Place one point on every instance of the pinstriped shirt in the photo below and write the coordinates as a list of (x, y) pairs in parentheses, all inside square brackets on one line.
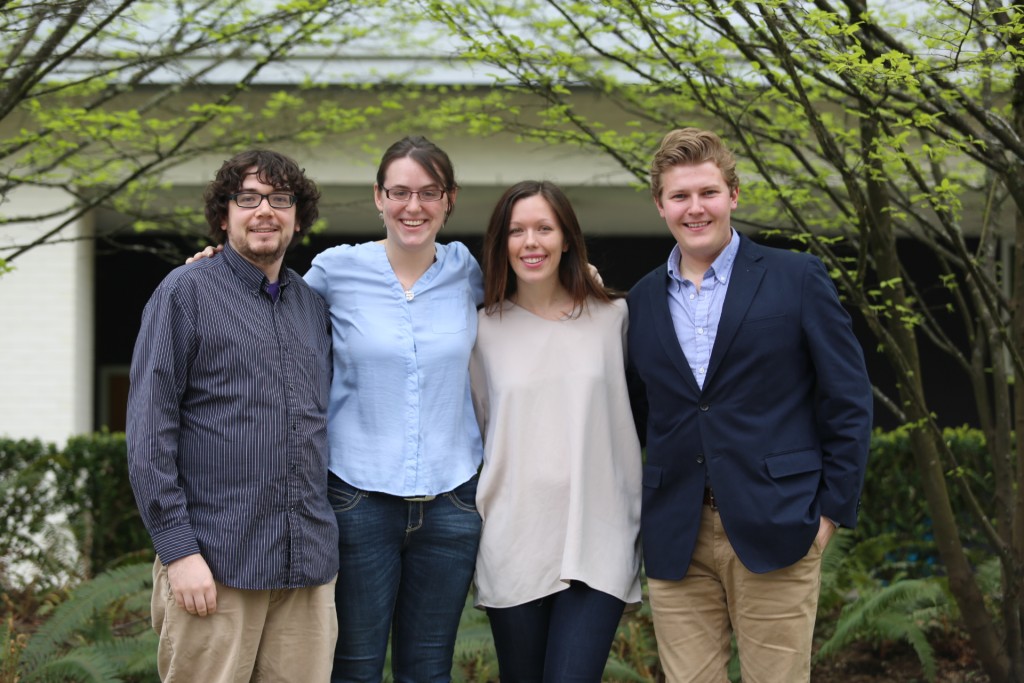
[(227, 425)]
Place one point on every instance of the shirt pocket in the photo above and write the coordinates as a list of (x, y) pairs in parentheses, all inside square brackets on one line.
[(448, 313)]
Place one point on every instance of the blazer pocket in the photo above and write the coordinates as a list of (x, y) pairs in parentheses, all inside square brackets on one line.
[(763, 322), (652, 476), (794, 462)]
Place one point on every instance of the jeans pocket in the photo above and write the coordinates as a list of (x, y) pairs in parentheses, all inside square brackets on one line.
[(342, 495), (463, 496)]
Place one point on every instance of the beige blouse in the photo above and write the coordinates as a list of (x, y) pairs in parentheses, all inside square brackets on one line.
[(559, 492)]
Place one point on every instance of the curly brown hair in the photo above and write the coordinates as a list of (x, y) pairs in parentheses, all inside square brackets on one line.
[(272, 168)]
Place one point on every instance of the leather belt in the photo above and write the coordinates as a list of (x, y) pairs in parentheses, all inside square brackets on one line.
[(419, 499)]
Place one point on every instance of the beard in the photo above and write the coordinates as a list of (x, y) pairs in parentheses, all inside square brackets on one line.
[(260, 251)]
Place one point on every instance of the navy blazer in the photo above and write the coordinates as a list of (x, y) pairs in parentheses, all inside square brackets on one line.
[(781, 428)]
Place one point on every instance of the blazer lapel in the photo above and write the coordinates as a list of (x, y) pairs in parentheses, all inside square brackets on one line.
[(747, 273)]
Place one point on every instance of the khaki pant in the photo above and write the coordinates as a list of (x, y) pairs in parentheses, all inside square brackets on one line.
[(771, 614), (255, 635)]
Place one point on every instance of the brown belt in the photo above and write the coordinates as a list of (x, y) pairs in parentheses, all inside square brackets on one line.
[(709, 498)]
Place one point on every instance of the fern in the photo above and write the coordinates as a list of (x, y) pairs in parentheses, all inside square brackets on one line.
[(900, 611), (619, 671), (98, 634), (79, 665), (134, 655)]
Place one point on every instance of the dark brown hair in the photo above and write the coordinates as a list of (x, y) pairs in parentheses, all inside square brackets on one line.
[(574, 266), (272, 168), (429, 157)]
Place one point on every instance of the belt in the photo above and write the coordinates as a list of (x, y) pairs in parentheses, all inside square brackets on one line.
[(419, 499), (709, 498)]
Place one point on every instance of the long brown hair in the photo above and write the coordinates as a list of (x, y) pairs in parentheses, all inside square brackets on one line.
[(573, 269)]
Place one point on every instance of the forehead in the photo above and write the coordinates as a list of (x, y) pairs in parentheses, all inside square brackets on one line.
[(693, 177), (406, 171), (533, 205), (256, 179)]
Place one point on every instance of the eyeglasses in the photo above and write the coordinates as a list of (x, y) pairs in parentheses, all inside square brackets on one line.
[(403, 195), (277, 200)]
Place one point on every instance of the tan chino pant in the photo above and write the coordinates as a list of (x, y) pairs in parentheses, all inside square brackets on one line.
[(255, 635), (771, 614)]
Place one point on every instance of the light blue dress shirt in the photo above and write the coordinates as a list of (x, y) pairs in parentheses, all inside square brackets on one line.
[(401, 417), (695, 315)]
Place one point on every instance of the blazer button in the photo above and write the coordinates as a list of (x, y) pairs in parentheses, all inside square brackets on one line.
[(705, 407), (700, 458)]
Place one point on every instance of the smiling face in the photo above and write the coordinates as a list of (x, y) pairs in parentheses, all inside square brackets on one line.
[(535, 241), (413, 224), (260, 235), (697, 205)]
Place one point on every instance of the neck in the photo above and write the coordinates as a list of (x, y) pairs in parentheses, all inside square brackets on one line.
[(272, 269), (409, 265), (693, 269), (548, 299)]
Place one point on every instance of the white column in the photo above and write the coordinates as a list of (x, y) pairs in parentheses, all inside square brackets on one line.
[(47, 326)]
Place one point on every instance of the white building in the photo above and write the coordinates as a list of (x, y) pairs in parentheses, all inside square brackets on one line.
[(71, 310)]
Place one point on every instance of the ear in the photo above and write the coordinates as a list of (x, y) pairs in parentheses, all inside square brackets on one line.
[(734, 200), (378, 197)]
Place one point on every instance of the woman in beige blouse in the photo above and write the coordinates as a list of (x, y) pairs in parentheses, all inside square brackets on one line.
[(559, 492)]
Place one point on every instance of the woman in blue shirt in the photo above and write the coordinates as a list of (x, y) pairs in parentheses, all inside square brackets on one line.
[(405, 445)]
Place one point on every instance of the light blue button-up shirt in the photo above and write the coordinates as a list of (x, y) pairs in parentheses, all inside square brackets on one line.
[(400, 417), (695, 315)]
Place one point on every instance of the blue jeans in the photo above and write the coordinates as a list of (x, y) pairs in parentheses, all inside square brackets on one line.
[(562, 638), (405, 570)]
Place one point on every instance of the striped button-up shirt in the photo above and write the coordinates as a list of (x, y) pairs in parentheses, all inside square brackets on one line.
[(227, 425)]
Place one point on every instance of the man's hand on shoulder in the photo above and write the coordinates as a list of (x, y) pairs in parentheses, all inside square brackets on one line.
[(192, 585)]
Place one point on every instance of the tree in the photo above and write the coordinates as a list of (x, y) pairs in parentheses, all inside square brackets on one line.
[(100, 98), (860, 130)]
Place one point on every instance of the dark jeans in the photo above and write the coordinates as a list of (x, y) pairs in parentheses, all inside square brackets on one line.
[(405, 570), (562, 638)]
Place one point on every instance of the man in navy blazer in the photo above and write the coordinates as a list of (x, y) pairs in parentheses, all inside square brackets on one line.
[(750, 393)]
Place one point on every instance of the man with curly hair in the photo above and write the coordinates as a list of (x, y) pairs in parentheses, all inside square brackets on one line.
[(227, 442)]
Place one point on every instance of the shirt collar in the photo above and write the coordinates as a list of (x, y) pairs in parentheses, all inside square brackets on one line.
[(249, 274), (720, 269)]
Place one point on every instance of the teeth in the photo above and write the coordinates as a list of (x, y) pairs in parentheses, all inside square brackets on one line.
[(533, 260)]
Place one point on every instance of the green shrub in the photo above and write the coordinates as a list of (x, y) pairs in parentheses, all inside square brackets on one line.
[(894, 517), (31, 512), (107, 525), (67, 513)]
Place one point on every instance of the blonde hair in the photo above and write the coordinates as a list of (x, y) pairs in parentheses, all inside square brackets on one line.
[(690, 147)]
